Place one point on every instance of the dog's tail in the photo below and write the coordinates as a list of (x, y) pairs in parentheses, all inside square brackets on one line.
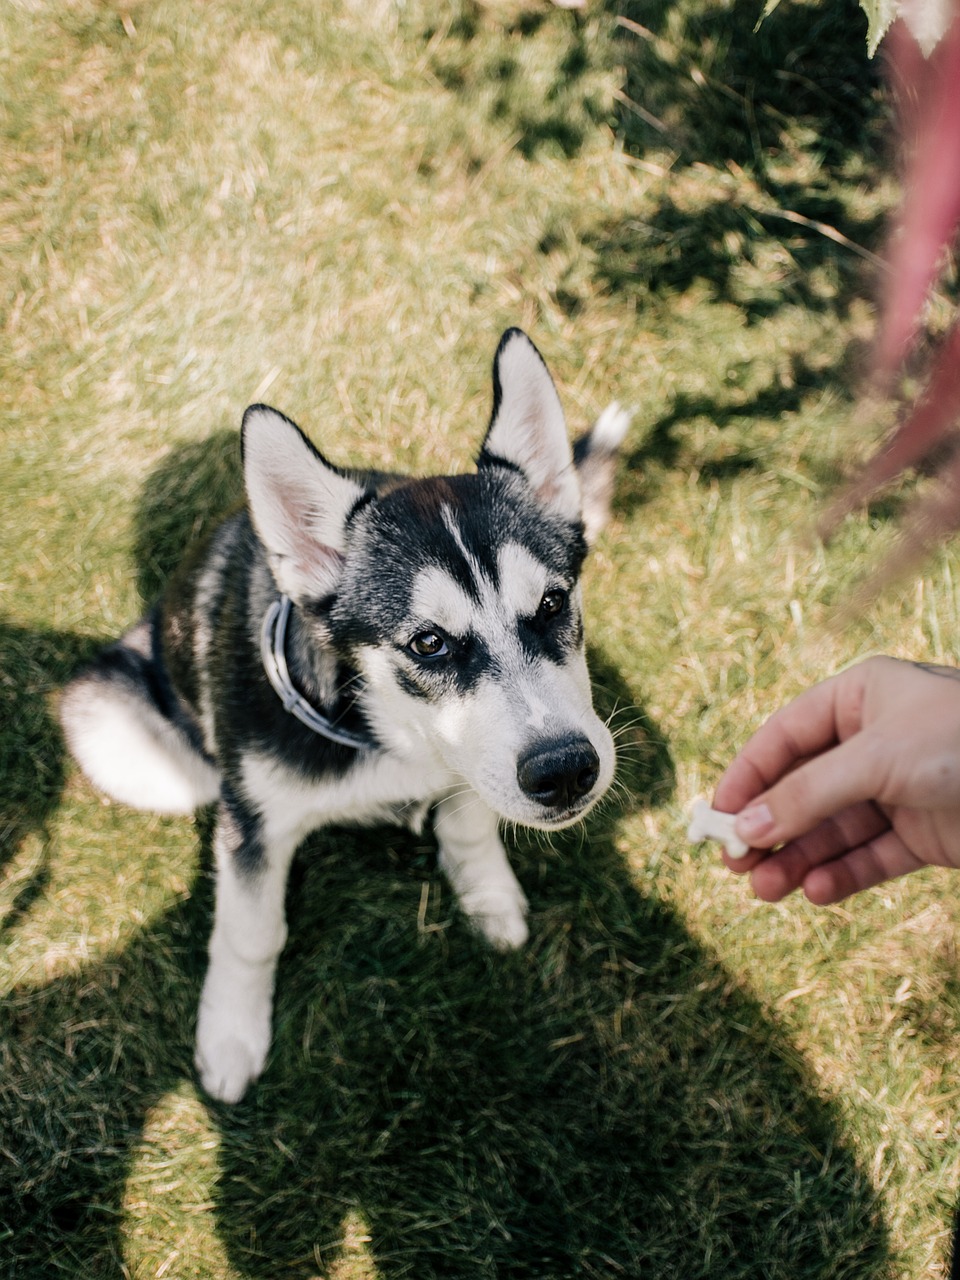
[(595, 456), (129, 734)]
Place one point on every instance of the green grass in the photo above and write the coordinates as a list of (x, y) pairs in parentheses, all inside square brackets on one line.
[(337, 208)]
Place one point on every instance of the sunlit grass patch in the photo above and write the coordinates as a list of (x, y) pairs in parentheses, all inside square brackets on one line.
[(168, 1222)]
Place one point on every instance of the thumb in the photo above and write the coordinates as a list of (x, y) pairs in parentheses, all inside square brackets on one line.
[(818, 789)]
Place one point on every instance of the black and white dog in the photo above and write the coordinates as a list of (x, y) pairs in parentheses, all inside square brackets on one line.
[(358, 647)]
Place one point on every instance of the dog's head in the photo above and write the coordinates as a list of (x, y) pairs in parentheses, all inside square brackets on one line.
[(457, 598)]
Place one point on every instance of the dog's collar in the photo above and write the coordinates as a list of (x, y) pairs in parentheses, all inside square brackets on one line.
[(273, 641)]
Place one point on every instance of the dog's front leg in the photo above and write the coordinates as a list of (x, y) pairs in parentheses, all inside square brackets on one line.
[(249, 931), (475, 862)]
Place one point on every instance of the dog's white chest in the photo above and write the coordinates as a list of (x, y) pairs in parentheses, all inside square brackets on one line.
[(384, 789)]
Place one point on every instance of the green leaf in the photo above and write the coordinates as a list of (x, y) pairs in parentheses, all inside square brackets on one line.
[(880, 14)]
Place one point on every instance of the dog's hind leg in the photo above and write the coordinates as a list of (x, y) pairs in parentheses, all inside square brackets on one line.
[(249, 932), (120, 719), (474, 860)]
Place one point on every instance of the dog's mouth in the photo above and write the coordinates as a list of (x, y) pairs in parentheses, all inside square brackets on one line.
[(559, 822)]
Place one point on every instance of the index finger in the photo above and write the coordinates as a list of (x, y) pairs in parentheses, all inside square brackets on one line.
[(802, 729)]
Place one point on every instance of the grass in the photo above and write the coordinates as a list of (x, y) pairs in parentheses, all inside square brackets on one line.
[(338, 208)]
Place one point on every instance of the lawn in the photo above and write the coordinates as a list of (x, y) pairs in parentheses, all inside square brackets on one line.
[(337, 208)]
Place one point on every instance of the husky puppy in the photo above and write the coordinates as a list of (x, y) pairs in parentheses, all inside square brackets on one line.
[(357, 647)]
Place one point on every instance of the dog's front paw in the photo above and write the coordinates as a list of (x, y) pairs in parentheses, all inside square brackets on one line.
[(232, 1047), (228, 1068), (499, 914)]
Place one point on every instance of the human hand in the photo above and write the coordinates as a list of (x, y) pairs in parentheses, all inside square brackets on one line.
[(854, 783)]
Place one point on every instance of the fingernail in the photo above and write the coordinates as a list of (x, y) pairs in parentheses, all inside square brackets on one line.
[(753, 823)]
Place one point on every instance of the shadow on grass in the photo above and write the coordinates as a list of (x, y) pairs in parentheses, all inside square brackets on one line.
[(789, 119), (784, 119), (720, 85), (31, 747), (552, 103), (663, 443), (606, 1102), (758, 147)]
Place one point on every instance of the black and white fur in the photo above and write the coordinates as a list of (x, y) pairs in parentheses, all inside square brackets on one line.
[(437, 620)]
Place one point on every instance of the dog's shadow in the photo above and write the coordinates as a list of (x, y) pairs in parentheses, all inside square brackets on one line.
[(606, 1102)]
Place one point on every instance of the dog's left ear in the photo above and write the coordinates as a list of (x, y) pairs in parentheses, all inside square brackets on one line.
[(527, 430), (298, 502)]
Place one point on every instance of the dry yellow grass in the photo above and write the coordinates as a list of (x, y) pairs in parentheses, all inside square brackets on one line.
[(337, 208)]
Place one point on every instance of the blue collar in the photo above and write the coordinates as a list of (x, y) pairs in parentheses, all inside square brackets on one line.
[(273, 639)]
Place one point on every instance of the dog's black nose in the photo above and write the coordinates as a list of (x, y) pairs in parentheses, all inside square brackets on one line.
[(557, 774)]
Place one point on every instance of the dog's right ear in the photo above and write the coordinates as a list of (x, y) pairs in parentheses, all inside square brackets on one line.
[(299, 504)]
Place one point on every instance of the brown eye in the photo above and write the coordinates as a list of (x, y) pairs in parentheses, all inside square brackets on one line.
[(552, 603), (429, 644)]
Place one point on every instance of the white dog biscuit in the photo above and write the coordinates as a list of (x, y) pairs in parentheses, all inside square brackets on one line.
[(711, 824)]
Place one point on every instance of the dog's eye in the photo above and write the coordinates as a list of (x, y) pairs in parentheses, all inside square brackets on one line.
[(429, 644), (552, 603)]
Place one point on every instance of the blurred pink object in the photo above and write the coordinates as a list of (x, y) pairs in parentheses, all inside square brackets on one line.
[(928, 101), (927, 94)]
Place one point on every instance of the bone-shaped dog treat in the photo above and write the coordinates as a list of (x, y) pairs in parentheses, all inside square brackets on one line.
[(711, 824)]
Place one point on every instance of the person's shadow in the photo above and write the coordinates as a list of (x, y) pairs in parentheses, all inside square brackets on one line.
[(607, 1102)]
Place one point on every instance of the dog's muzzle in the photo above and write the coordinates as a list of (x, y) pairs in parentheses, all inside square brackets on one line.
[(559, 775)]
